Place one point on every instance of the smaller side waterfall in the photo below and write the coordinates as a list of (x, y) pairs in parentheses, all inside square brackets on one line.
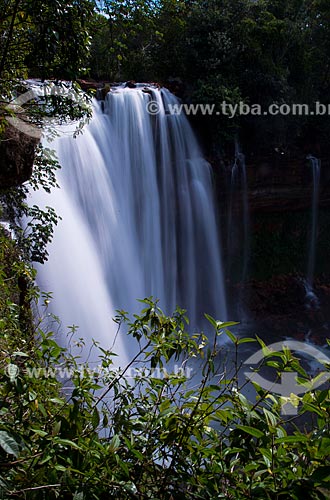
[(311, 299), (316, 170), (238, 234)]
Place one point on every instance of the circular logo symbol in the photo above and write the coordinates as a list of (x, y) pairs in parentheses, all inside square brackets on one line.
[(40, 94), (288, 384)]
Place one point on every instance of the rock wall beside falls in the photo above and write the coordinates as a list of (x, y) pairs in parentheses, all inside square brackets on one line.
[(280, 194), (17, 152), (276, 183), (285, 184)]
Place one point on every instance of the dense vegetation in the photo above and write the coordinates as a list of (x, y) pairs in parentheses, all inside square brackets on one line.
[(258, 52), (243, 50), (94, 434), (147, 431)]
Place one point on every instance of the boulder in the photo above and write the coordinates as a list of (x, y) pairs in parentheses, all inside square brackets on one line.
[(17, 152)]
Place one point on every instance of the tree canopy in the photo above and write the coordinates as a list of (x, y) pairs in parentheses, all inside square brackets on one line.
[(157, 434), (235, 50), (254, 51), (44, 39)]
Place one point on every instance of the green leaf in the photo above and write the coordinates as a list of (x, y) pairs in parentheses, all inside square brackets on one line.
[(105, 420), (211, 320), (78, 495), (60, 468), (231, 336), (313, 409), (324, 447), (21, 354), (57, 428), (300, 438), (267, 456), (42, 410), (95, 418), (114, 443), (46, 459), (39, 432), (251, 430), (8, 444), (250, 467), (66, 442), (270, 417), (232, 451), (321, 474), (245, 340), (227, 324), (57, 401)]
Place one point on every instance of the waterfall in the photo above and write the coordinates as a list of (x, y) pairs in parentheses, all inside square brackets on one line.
[(238, 233), (311, 300), (138, 218), (316, 170)]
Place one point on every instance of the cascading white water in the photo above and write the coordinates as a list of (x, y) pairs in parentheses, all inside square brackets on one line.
[(138, 218)]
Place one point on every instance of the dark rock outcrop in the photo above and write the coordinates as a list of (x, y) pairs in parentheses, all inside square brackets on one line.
[(130, 85), (279, 308), (17, 152), (88, 84)]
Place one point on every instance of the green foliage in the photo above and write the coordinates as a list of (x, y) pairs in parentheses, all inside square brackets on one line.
[(52, 106), (214, 89), (280, 244), (124, 40), (61, 37), (150, 431), (45, 40), (39, 223), (260, 52), (15, 293), (50, 38)]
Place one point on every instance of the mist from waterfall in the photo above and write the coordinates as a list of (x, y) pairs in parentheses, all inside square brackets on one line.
[(139, 218)]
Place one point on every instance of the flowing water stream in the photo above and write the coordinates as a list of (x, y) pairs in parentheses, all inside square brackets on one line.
[(311, 299), (238, 213)]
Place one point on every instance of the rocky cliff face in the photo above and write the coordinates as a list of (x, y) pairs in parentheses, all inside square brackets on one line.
[(278, 308), (285, 184), (16, 157), (275, 183), (273, 295), (279, 194)]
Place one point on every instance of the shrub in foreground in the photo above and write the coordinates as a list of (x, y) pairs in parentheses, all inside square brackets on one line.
[(150, 430)]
